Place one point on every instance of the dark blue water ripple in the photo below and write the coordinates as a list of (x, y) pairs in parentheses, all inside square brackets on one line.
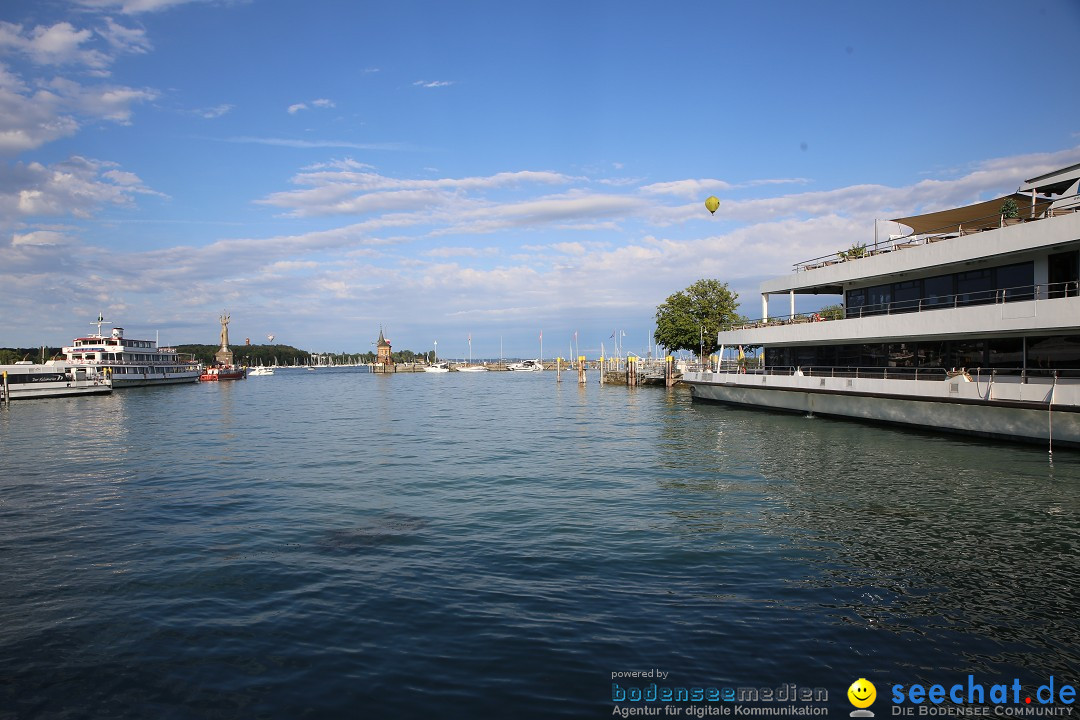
[(341, 544)]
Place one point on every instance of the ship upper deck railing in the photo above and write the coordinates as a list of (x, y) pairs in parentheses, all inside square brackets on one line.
[(1046, 291), (1045, 209), (974, 374)]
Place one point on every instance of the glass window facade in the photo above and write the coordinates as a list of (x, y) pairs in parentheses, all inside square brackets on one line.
[(1054, 352), (1008, 283)]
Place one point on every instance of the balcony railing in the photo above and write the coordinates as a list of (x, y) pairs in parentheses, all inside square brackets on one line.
[(998, 296), (1017, 374), (1070, 205)]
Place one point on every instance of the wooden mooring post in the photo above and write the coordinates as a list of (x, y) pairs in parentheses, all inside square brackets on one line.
[(631, 371), (7, 392), (581, 369), (601, 369), (558, 369), (669, 371)]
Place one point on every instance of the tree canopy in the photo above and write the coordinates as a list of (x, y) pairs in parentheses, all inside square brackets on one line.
[(690, 319)]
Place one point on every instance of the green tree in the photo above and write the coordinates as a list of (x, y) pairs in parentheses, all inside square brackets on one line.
[(832, 312), (690, 319)]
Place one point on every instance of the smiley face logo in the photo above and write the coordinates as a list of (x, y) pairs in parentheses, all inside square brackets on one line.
[(862, 693)]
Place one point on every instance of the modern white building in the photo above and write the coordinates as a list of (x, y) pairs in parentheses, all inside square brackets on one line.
[(968, 322)]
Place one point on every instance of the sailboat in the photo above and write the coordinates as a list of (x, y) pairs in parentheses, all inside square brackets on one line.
[(470, 367)]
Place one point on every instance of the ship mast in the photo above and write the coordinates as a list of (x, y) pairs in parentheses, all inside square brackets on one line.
[(99, 322)]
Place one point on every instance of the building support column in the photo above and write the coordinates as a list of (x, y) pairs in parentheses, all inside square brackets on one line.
[(791, 315), (764, 307)]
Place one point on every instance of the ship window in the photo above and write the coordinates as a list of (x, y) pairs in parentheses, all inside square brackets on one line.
[(931, 354), (778, 357), (806, 356), (901, 355), (872, 355), (1056, 352), (966, 353), (878, 299), (848, 355), (826, 356), (906, 295), (1063, 274), (1015, 281), (1006, 353), (974, 287), (856, 301), (938, 291)]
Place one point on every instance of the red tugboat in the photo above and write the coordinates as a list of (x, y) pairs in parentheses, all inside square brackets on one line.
[(223, 372), (223, 369)]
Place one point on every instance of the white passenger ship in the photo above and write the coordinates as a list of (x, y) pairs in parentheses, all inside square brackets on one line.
[(131, 363), (968, 323), (27, 380)]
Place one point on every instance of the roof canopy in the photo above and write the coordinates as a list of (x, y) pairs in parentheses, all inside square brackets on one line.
[(984, 214), (1054, 183)]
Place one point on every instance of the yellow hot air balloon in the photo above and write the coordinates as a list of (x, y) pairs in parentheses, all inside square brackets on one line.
[(712, 203)]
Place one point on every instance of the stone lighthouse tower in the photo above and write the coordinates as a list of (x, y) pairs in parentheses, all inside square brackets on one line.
[(382, 350)]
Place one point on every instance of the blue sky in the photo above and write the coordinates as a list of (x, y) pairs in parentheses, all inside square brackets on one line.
[(496, 169)]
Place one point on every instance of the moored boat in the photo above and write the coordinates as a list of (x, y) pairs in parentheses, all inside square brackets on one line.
[(215, 373), (526, 366), (25, 380), (128, 362), (968, 323)]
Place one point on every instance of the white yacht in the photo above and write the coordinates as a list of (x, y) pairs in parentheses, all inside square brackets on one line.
[(260, 370), (25, 380), (439, 367), (526, 366), (470, 368), (969, 322), (131, 363)]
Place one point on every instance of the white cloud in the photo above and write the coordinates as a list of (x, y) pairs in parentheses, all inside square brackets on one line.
[(31, 119), (133, 7), (215, 112), (76, 187), (349, 188), (40, 237), (433, 83), (125, 39), (449, 252), (319, 103), (64, 44), (687, 188), (34, 113)]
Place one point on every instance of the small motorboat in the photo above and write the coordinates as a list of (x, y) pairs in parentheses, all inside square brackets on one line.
[(215, 373)]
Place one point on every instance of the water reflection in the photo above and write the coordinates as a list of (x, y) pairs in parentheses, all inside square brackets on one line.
[(969, 543)]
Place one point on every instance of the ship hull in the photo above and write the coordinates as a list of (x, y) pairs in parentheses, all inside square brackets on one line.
[(954, 407)]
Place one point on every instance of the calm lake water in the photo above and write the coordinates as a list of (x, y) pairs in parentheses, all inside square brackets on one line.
[(341, 544)]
